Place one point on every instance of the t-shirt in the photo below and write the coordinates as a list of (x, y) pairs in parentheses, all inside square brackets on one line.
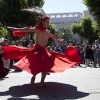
[(78, 48), (96, 47)]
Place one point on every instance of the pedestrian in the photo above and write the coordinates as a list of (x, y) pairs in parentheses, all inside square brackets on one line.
[(96, 50)]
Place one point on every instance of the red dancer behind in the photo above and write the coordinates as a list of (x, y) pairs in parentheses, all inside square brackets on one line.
[(3, 71), (39, 59)]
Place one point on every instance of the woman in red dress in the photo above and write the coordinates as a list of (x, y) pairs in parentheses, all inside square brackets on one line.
[(3, 71)]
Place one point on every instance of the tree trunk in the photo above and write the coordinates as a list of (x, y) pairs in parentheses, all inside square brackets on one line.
[(9, 37)]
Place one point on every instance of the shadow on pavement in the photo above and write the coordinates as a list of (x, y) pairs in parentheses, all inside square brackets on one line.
[(55, 91)]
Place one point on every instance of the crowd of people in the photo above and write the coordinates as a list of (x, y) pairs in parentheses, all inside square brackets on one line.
[(9, 62), (89, 53)]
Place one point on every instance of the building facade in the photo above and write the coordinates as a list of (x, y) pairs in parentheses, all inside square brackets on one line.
[(67, 19)]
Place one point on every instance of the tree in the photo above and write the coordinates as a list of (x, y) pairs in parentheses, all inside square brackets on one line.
[(76, 28), (86, 29), (52, 29), (94, 8), (65, 34), (96, 32), (3, 31), (12, 15)]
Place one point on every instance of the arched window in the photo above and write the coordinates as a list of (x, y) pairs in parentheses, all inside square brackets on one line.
[(64, 15), (70, 15), (76, 15), (58, 16), (52, 16)]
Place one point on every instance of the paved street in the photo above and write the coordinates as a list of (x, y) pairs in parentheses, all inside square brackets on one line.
[(73, 84)]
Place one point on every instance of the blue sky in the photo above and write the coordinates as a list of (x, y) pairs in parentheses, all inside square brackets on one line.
[(62, 6)]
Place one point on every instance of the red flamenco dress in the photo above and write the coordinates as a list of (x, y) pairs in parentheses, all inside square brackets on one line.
[(3, 71), (40, 59)]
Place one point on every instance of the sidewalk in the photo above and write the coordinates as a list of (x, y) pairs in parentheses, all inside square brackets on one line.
[(73, 84)]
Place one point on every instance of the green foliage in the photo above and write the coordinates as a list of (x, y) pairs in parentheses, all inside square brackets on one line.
[(38, 3), (76, 28), (3, 31), (94, 8), (95, 31), (64, 33), (52, 29), (12, 15), (86, 29)]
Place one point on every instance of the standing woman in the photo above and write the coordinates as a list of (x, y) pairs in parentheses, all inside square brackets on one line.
[(88, 54), (3, 71)]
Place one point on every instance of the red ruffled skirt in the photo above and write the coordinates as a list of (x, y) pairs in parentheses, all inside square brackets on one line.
[(39, 59)]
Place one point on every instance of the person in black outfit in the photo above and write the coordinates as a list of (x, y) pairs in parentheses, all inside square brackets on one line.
[(88, 54)]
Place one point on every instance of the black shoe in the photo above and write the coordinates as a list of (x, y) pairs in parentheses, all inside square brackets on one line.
[(17, 70), (7, 69), (95, 67), (48, 73)]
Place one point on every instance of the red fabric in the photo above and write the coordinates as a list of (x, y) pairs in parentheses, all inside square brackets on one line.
[(72, 53), (3, 71), (14, 52), (19, 33), (39, 27), (39, 59)]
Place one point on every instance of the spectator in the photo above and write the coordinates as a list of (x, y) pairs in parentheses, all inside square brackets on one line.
[(82, 52), (96, 49), (88, 54), (31, 44)]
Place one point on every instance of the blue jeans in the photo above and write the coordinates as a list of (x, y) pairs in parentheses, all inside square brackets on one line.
[(83, 58)]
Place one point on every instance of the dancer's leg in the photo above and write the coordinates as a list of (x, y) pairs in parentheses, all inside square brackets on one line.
[(33, 79), (43, 79)]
